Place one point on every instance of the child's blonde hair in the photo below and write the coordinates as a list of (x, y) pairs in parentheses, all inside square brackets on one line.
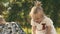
[(35, 9)]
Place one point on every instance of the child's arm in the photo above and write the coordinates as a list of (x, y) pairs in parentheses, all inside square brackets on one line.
[(49, 24), (33, 29), (48, 30)]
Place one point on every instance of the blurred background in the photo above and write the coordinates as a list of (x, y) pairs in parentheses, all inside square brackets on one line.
[(18, 11)]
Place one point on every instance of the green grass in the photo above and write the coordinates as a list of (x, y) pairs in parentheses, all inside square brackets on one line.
[(58, 30), (28, 30)]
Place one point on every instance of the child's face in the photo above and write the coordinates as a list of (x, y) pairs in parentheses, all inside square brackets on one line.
[(38, 17)]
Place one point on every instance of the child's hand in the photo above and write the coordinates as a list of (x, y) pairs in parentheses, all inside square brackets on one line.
[(33, 30), (48, 30)]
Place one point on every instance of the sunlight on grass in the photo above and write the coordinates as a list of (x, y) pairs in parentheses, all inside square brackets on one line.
[(28, 30), (58, 30)]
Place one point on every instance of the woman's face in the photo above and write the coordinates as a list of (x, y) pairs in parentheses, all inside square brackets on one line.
[(1, 20)]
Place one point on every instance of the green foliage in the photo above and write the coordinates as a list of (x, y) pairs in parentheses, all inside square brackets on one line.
[(20, 10), (2, 8)]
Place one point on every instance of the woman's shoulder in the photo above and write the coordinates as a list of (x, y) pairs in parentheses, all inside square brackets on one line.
[(11, 24)]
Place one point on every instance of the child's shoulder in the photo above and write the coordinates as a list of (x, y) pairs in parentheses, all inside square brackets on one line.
[(48, 20)]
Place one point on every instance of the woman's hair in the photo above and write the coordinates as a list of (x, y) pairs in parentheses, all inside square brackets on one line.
[(35, 8), (1, 18)]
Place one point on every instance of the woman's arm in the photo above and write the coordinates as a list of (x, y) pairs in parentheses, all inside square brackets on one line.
[(33, 29)]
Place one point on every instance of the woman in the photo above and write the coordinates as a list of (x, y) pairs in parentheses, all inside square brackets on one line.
[(2, 24), (9, 27)]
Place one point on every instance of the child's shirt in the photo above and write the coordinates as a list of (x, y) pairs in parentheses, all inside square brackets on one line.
[(42, 27)]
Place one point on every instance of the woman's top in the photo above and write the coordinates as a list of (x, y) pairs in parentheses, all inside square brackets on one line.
[(10, 28)]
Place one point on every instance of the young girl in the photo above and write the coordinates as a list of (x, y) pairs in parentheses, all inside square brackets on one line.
[(41, 24)]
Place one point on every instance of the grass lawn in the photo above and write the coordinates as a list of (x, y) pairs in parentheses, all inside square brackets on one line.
[(58, 30), (28, 30)]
